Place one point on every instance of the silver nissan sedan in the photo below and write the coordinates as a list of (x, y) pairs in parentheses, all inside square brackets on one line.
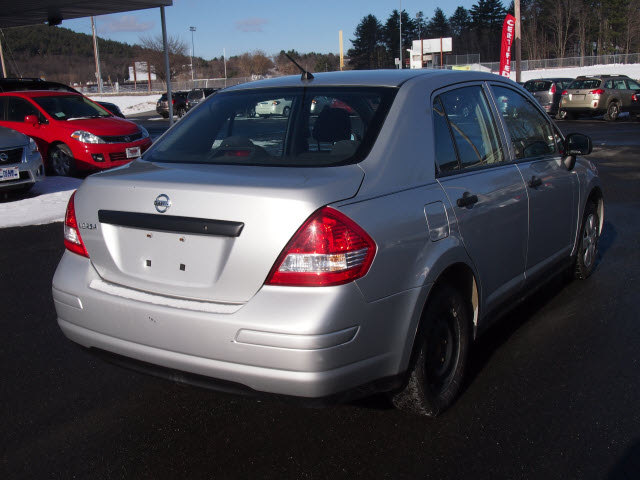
[(329, 254)]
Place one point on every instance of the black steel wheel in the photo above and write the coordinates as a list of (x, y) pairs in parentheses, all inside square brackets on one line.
[(440, 355), (286, 111), (62, 161)]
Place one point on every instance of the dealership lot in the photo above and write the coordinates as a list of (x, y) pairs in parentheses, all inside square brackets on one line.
[(553, 391)]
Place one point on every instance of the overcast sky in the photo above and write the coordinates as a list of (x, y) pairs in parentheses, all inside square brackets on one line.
[(248, 25)]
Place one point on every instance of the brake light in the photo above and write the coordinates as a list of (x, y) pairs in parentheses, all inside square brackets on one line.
[(599, 91), (553, 88), (634, 97), (72, 239), (173, 101), (565, 92), (328, 249)]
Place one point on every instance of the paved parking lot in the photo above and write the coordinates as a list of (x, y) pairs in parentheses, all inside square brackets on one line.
[(554, 389)]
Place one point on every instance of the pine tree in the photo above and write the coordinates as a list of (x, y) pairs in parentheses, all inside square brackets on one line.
[(367, 51)]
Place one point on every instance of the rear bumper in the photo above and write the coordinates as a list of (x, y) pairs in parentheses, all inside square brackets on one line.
[(301, 342)]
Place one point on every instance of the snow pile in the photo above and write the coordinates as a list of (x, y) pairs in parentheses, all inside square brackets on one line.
[(46, 203), (631, 70), (130, 104)]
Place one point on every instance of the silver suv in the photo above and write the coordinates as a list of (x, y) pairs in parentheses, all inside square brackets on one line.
[(328, 254), (600, 94)]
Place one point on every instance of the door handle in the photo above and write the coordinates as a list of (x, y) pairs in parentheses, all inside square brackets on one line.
[(466, 200), (535, 182)]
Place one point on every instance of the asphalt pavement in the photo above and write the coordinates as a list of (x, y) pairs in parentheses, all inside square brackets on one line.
[(554, 390)]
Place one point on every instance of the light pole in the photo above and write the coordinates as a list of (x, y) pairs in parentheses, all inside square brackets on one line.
[(193, 29), (400, 19)]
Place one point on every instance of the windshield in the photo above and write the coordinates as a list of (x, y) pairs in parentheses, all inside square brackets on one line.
[(308, 127), (70, 107)]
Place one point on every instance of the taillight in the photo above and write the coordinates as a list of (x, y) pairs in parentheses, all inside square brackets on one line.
[(173, 101), (565, 92), (329, 249), (599, 91), (72, 239), (553, 88), (634, 97)]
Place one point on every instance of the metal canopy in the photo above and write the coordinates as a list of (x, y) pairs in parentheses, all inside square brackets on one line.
[(34, 12)]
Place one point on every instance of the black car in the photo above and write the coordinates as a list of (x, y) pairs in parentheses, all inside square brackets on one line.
[(548, 91), (196, 95), (179, 101), (21, 84)]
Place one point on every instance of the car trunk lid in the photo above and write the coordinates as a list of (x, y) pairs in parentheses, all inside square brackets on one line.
[(204, 232)]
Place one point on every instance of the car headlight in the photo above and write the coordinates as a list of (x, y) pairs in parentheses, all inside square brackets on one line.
[(33, 146), (86, 137), (145, 134)]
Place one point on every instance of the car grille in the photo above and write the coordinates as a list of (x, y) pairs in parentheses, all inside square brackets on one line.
[(123, 138), (13, 155), (118, 156)]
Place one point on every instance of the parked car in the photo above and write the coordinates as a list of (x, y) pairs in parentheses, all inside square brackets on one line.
[(24, 84), (72, 132), (600, 94), (337, 255), (179, 101), (197, 95), (548, 91), (20, 161), (278, 106)]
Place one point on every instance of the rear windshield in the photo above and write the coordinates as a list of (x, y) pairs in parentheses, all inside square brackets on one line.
[(589, 83), (195, 95), (537, 86), (310, 127)]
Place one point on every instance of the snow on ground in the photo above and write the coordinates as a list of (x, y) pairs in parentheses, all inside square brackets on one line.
[(45, 203), (130, 104)]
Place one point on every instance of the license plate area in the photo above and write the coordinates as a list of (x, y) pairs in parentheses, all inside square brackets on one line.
[(133, 152), (10, 173)]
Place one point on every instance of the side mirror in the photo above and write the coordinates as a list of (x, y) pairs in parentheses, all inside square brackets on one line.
[(32, 120), (577, 144)]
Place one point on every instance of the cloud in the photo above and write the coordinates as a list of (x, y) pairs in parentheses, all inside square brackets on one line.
[(251, 24), (125, 23)]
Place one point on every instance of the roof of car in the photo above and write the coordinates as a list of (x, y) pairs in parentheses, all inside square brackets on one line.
[(377, 78), (551, 79), (37, 93)]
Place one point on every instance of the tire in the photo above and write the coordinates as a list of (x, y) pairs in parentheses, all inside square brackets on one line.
[(588, 242), (180, 112), (164, 115), (440, 355), (62, 161), (286, 111), (564, 115), (613, 112)]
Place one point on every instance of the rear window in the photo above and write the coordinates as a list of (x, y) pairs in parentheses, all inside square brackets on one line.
[(582, 83), (309, 127), (537, 86), (195, 95)]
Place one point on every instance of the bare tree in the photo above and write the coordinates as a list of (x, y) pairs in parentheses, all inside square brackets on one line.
[(631, 33), (177, 48), (560, 23)]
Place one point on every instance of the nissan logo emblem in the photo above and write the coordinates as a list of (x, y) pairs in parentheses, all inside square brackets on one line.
[(162, 203), (127, 139), (4, 157)]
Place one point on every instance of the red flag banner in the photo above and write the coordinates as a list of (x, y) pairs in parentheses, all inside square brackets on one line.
[(508, 31)]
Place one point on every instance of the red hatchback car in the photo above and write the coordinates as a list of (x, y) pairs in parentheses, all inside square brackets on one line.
[(72, 132)]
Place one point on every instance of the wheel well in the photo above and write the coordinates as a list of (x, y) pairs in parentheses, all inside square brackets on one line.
[(596, 197)]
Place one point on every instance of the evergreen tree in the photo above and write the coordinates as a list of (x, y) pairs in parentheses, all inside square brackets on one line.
[(368, 51), (438, 25), (391, 32)]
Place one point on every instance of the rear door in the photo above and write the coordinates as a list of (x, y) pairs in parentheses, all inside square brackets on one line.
[(487, 195), (552, 190)]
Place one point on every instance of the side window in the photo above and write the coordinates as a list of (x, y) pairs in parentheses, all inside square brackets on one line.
[(530, 130), (608, 84), (633, 85), (18, 108), (619, 85), (473, 127), (446, 158)]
